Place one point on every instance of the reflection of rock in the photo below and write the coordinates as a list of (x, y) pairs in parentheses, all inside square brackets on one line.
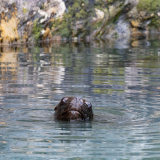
[(8, 68), (132, 79), (8, 63), (59, 77), (137, 43), (21, 77)]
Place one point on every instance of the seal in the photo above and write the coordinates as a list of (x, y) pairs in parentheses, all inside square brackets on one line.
[(73, 108)]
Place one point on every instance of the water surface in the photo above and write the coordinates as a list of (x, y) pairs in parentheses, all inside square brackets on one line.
[(123, 85)]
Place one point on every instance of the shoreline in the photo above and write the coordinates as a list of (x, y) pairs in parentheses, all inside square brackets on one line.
[(152, 36)]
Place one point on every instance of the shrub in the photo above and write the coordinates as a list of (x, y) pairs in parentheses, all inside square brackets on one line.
[(155, 22), (36, 30), (65, 32)]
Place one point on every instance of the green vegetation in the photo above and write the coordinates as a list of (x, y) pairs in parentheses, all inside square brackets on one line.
[(149, 5), (77, 21), (36, 30), (65, 32), (62, 28), (79, 11), (25, 10), (155, 22), (104, 2), (97, 24), (152, 6)]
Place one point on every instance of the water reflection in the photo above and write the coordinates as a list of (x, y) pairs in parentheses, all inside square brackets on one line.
[(122, 84)]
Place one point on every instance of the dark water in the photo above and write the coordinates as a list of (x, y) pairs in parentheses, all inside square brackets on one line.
[(123, 85)]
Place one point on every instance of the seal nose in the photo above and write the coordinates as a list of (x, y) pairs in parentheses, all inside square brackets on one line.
[(78, 99)]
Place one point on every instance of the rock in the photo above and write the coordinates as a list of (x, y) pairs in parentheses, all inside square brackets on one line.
[(136, 34), (17, 18), (135, 23), (8, 25), (98, 15), (61, 8), (22, 21), (47, 34), (122, 28), (42, 32), (75, 39), (143, 14), (137, 43)]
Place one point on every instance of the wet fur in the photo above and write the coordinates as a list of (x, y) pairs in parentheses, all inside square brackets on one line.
[(73, 108)]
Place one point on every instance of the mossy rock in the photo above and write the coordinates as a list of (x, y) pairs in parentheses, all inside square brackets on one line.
[(149, 5), (155, 22)]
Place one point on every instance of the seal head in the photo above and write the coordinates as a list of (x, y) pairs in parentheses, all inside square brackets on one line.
[(73, 108)]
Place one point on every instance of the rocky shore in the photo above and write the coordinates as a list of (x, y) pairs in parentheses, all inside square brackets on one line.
[(26, 21)]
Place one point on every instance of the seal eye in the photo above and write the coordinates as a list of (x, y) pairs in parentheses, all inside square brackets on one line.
[(64, 100), (88, 104)]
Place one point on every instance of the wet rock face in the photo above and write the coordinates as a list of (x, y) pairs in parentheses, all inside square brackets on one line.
[(30, 20), (8, 24), (73, 108), (17, 18)]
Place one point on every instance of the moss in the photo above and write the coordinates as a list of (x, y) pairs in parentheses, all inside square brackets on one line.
[(115, 18), (149, 5), (25, 10), (155, 22), (152, 6), (82, 11), (63, 29), (102, 2), (36, 30), (79, 11), (65, 32), (81, 14), (105, 3), (97, 25)]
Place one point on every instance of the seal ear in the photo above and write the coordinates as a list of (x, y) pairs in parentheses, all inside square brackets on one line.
[(64, 100), (55, 108)]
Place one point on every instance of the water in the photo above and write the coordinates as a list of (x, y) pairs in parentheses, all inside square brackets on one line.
[(123, 85)]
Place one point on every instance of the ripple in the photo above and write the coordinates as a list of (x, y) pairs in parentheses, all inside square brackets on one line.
[(122, 85)]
